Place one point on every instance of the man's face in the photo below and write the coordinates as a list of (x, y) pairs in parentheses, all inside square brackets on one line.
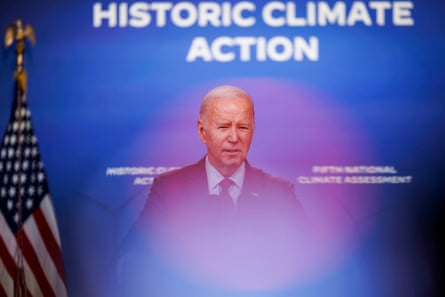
[(227, 131)]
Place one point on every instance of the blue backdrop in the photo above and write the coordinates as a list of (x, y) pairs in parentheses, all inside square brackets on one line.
[(114, 106)]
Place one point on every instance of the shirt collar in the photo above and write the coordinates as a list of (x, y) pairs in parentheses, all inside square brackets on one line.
[(214, 177)]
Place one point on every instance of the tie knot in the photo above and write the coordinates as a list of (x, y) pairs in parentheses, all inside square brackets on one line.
[(225, 185)]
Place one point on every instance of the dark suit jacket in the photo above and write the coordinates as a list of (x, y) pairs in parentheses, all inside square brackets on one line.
[(186, 190), (185, 228)]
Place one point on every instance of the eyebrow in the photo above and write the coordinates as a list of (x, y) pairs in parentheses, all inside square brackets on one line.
[(230, 123)]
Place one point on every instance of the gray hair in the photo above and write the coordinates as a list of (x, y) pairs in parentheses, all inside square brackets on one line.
[(224, 91)]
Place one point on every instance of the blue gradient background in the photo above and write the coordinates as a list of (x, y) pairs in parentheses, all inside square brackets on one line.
[(126, 97)]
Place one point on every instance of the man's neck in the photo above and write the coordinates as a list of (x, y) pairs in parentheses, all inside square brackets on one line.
[(226, 171), (214, 176)]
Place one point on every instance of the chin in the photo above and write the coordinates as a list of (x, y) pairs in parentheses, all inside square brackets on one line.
[(233, 165)]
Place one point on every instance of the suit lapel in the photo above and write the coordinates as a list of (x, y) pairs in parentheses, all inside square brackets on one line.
[(197, 176), (251, 191)]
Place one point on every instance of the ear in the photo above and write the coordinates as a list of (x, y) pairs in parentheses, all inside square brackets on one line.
[(201, 132)]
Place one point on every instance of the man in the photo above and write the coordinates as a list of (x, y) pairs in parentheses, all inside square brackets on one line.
[(226, 125), (221, 222)]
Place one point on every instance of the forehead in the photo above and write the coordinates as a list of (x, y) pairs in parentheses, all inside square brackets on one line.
[(241, 106)]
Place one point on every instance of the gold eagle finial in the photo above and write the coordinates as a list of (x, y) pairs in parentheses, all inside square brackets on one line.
[(16, 32)]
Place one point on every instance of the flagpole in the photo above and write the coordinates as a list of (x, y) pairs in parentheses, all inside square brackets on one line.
[(16, 32)]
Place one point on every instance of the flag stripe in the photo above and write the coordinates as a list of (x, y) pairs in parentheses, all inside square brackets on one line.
[(7, 264), (6, 254), (7, 247), (3, 291), (45, 261), (47, 208), (32, 287), (34, 265), (6, 284), (50, 242)]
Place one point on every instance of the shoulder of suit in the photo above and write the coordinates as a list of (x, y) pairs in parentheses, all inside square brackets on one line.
[(186, 172), (260, 175)]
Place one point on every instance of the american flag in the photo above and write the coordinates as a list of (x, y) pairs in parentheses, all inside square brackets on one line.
[(31, 262)]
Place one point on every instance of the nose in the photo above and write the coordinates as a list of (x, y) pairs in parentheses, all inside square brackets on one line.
[(233, 135)]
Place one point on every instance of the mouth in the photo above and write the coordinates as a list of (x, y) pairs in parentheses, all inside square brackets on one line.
[(232, 151)]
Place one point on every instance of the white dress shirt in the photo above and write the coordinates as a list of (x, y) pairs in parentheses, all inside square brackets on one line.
[(214, 178)]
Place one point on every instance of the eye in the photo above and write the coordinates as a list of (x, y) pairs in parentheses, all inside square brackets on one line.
[(244, 127)]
